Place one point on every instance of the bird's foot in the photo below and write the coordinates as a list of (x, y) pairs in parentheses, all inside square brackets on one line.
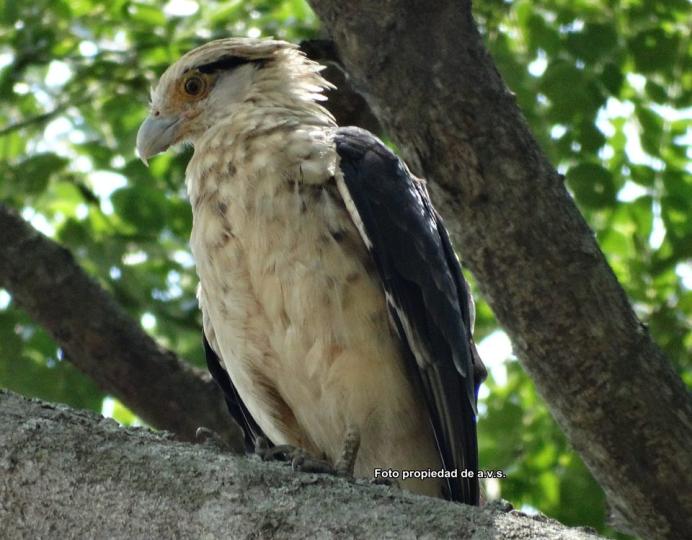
[(389, 482), (304, 462), (299, 459)]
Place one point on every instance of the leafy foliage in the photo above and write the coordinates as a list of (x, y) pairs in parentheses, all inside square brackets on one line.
[(605, 86)]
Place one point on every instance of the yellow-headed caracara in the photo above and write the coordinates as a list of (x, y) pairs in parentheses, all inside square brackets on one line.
[(332, 300)]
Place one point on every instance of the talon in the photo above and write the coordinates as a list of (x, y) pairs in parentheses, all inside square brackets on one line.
[(301, 460), (306, 463), (204, 435), (389, 482), (281, 452), (297, 462)]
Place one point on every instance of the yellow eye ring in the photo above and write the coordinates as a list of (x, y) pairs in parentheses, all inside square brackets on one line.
[(194, 85)]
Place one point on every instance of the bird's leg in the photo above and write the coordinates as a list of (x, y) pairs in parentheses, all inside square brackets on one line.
[(349, 453)]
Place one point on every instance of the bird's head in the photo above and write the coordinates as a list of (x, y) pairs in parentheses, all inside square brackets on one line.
[(212, 82)]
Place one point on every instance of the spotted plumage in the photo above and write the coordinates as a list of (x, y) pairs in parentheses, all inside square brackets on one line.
[(331, 298)]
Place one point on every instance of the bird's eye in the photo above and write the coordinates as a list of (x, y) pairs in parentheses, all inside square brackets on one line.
[(194, 86)]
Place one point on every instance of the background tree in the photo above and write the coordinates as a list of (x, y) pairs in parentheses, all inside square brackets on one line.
[(605, 87)]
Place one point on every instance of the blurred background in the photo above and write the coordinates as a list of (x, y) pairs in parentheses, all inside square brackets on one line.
[(605, 86)]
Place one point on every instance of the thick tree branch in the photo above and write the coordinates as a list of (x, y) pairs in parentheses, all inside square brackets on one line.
[(434, 87), (69, 474), (102, 341)]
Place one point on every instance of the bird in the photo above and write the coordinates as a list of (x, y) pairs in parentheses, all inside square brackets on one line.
[(334, 309)]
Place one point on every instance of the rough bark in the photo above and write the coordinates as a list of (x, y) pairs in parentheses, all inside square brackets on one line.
[(70, 474), (101, 340), (429, 79)]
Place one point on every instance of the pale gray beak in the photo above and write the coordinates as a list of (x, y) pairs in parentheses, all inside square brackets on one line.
[(155, 135)]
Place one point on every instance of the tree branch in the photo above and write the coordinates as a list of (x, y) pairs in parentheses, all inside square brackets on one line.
[(434, 87), (44, 118), (101, 340), (131, 483)]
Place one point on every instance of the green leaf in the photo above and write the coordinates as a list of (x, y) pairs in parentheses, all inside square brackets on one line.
[(595, 41), (100, 154), (9, 11), (655, 50), (143, 207), (656, 92), (31, 176), (592, 184), (652, 129), (542, 35), (147, 14), (572, 91), (641, 215), (590, 137), (643, 175), (612, 78)]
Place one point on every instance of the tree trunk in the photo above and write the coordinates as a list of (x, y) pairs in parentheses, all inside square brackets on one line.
[(426, 74), (73, 474)]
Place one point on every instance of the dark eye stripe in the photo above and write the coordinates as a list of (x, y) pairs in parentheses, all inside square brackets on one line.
[(227, 63)]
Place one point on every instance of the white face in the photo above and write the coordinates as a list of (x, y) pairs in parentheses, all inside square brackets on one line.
[(187, 101), (209, 82)]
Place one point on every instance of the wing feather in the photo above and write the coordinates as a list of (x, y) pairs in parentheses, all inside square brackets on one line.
[(428, 298), (236, 406)]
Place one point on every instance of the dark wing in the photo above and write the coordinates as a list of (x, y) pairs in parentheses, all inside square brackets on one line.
[(236, 407), (426, 293)]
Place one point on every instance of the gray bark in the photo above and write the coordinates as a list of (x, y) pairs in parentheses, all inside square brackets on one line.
[(73, 474), (426, 74)]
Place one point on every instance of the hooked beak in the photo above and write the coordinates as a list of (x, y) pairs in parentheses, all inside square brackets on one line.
[(155, 135)]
